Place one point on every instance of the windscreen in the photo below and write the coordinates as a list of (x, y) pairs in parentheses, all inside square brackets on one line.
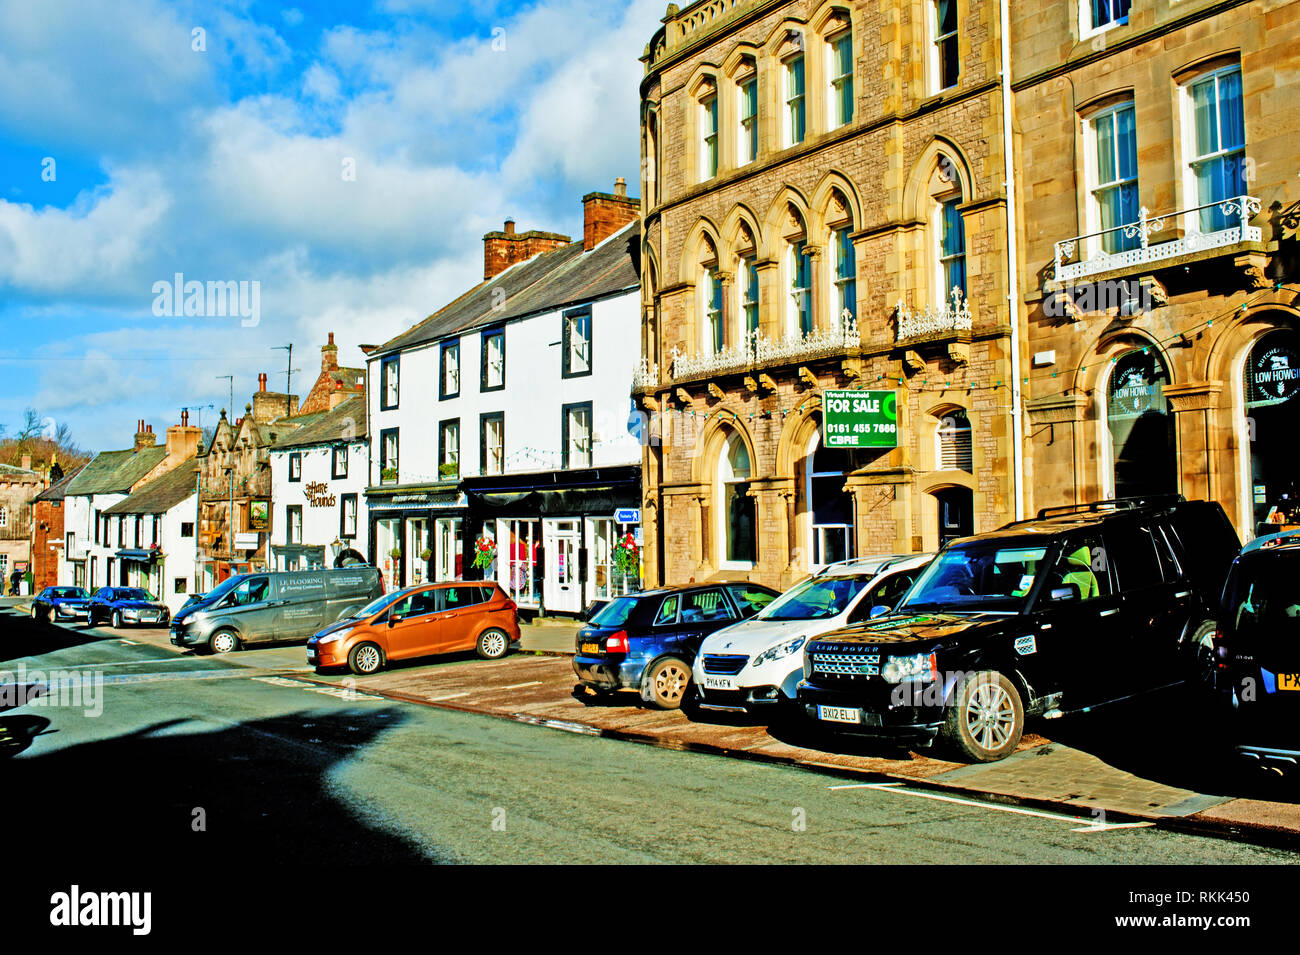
[(817, 599), (379, 603), (985, 575)]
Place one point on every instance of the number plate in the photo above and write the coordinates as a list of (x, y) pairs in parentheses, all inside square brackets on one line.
[(839, 714), (591, 648), (1288, 681), (311, 656), (719, 683)]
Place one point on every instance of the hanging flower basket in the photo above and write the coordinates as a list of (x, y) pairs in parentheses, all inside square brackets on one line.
[(485, 551), (627, 556)]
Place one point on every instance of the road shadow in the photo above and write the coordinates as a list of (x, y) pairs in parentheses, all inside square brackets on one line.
[(247, 794), (21, 636)]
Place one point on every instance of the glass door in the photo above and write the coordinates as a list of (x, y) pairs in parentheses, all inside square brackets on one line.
[(417, 542), (563, 593), (519, 552), (448, 559)]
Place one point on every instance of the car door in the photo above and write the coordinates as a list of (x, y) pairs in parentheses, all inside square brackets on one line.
[(460, 613), (414, 625), (1068, 641), (702, 612), (248, 609), (1149, 634)]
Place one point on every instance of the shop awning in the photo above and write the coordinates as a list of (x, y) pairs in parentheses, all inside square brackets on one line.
[(137, 554)]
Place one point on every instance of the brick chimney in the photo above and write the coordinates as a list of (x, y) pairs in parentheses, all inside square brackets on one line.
[(144, 437), (182, 441), (269, 405), (27, 462), (507, 247), (604, 213), (329, 356)]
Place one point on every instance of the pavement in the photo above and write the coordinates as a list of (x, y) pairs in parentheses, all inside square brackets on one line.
[(1142, 764)]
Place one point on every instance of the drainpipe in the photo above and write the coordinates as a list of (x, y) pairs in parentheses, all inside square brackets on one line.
[(1013, 264)]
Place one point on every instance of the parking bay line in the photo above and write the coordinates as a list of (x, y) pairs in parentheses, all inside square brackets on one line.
[(899, 789), (519, 686)]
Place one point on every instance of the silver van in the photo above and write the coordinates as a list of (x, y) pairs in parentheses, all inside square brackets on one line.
[(273, 606)]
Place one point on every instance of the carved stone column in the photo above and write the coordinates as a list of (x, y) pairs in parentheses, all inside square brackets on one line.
[(816, 262)]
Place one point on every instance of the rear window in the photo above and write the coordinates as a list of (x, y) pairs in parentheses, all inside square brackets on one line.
[(1262, 602), (614, 613), (705, 606), (750, 600)]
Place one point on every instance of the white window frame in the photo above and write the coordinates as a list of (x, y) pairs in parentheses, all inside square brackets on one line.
[(746, 125), (711, 318), (4, 516), (709, 136), (836, 82), (950, 437), (723, 477), (1187, 112), (792, 257), (1086, 29), (789, 100), (937, 40), (944, 290), (1092, 173), (494, 457), (838, 283), (748, 265)]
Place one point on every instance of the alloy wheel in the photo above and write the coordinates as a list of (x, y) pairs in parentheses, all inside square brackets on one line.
[(671, 682), (990, 716), (494, 644), (367, 659)]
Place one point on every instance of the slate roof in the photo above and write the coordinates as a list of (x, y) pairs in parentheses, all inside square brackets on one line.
[(113, 472), (56, 490), (557, 279), (162, 493), (347, 421)]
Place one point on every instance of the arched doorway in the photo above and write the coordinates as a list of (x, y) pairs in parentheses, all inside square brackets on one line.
[(1140, 425), (1271, 382), (956, 513), (830, 507), (737, 522)]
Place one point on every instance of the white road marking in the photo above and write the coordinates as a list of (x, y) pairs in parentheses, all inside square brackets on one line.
[(449, 696), (895, 788), (129, 643), (521, 685)]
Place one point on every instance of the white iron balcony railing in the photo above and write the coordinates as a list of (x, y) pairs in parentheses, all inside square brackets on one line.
[(1213, 225), (933, 320), (646, 374), (756, 349)]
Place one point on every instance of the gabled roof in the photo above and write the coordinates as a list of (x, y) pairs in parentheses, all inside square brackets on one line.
[(557, 279), (162, 493), (346, 422), (56, 490), (113, 472)]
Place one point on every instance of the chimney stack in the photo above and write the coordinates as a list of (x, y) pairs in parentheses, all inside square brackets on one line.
[(182, 441), (27, 462), (507, 247), (604, 213), (329, 356), (144, 437)]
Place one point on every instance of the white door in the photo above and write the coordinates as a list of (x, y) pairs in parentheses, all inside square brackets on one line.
[(447, 553), (561, 542)]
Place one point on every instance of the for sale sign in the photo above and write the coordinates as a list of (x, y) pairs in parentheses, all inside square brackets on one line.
[(859, 419)]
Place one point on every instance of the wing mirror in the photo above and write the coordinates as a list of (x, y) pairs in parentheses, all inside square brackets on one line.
[(394, 618), (879, 611)]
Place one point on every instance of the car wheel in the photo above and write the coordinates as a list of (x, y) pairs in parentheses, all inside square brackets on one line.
[(985, 718), (223, 641), (493, 644), (117, 619), (1201, 647), (666, 683), (365, 659)]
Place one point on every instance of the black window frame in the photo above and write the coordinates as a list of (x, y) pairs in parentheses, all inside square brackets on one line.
[(443, 393), (184, 532), (295, 467), (442, 446), (566, 319), (343, 516), (335, 473), (483, 421), (394, 362), (564, 432), (498, 332), (289, 510), (95, 518), (383, 451)]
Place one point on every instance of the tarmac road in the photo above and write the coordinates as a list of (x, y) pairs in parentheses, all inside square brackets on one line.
[(172, 757)]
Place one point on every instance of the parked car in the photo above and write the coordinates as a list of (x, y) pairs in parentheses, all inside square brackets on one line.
[(60, 603), (420, 621), (119, 606), (273, 606), (758, 663), (647, 641), (1076, 607), (1257, 654)]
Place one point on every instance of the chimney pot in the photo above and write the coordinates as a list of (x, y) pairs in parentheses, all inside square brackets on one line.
[(261, 382), (620, 187), (510, 227), (331, 338), (185, 418)]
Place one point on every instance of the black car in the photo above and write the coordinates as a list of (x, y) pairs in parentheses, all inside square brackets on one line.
[(60, 603), (1257, 654), (1076, 607), (647, 641)]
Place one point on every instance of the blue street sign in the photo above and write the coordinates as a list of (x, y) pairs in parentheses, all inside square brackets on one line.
[(628, 515)]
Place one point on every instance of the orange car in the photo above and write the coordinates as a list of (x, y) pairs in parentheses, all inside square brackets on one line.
[(419, 621)]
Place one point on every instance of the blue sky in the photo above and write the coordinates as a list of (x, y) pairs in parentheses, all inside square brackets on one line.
[(133, 147)]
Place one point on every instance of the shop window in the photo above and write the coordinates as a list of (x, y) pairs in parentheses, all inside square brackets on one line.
[(737, 512), (1271, 382), (1140, 421)]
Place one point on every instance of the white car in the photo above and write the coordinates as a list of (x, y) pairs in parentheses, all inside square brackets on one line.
[(758, 662)]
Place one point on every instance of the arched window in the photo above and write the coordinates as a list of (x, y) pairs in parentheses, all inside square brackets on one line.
[(952, 443), (1272, 381), (712, 297), (947, 231), (1143, 454), (846, 275), (737, 516)]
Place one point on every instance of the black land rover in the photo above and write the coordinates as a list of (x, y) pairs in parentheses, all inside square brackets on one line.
[(1076, 607), (1257, 652)]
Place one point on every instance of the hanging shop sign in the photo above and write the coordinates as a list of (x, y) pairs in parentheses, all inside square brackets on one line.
[(859, 419), (259, 515)]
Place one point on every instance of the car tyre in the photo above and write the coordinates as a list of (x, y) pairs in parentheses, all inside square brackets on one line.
[(223, 641), (985, 718), (1201, 647), (667, 684), (493, 644), (365, 659), (117, 620)]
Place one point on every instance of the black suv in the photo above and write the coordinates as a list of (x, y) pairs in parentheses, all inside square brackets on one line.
[(1257, 651), (1078, 606)]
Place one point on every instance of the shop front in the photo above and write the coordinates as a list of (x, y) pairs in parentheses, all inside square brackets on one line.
[(139, 567), (560, 540), (417, 536)]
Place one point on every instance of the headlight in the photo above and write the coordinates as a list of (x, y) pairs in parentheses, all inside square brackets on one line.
[(918, 669), (336, 635), (779, 651)]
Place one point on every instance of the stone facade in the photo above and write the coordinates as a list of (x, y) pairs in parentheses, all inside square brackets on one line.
[(1212, 308), (18, 485), (880, 182)]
